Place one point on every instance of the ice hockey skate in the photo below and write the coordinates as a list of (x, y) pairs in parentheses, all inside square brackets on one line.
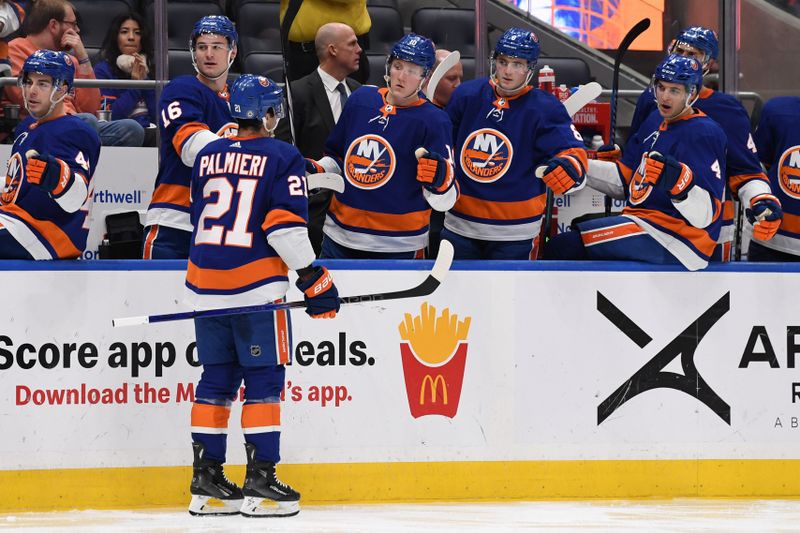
[(212, 493), (264, 494)]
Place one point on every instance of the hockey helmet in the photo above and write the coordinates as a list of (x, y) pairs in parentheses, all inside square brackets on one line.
[(516, 42), (701, 38), (679, 69), (217, 25), (57, 65), (416, 49), (253, 96)]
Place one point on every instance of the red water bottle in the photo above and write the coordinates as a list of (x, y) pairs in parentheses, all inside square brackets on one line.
[(547, 79), (562, 92)]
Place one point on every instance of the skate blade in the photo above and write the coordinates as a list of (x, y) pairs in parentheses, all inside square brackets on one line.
[(254, 507), (208, 506)]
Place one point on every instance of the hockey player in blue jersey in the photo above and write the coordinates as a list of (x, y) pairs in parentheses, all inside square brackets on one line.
[(672, 181), (384, 211), (48, 186), (503, 130), (193, 112), (249, 212), (745, 177), (777, 138)]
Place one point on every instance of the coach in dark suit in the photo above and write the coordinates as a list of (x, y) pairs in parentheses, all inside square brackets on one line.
[(317, 102)]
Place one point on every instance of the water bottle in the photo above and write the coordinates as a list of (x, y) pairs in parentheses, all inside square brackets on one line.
[(547, 79)]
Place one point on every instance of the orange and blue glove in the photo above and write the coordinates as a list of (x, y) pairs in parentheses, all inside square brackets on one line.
[(765, 214), (609, 152), (668, 174), (563, 173), (47, 172), (433, 172), (320, 294)]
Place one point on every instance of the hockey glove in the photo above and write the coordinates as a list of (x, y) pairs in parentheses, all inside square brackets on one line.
[(668, 174), (563, 173), (610, 153), (312, 167), (47, 172), (765, 214), (433, 172), (321, 296)]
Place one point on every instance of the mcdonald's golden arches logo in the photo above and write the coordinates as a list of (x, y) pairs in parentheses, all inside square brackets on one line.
[(434, 356)]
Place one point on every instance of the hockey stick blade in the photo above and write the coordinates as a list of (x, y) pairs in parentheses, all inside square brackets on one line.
[(325, 180), (435, 278), (446, 64), (631, 36), (576, 102), (638, 29), (581, 97)]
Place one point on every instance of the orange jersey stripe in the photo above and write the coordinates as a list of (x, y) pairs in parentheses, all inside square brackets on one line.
[(577, 153), (184, 132), (210, 416), (171, 194), (255, 415), (727, 210), (350, 216), (148, 242), (478, 208), (235, 278), (600, 235), (697, 236), (281, 216), (53, 234), (791, 222), (626, 172), (737, 181)]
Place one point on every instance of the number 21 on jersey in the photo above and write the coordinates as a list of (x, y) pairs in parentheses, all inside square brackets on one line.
[(237, 234)]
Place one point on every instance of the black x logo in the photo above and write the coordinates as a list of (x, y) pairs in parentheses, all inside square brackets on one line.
[(652, 374)]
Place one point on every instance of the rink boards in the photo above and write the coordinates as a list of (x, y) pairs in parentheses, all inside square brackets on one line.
[(614, 381)]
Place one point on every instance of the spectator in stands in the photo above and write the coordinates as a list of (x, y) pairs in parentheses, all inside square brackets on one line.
[(671, 179), (11, 16), (53, 25), (312, 15), (127, 53), (448, 83), (317, 102)]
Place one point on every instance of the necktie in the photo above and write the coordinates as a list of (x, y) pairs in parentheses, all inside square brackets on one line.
[(342, 97)]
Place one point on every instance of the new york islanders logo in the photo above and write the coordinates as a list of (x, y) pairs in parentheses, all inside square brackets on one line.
[(486, 155), (639, 188), (231, 129), (369, 162), (789, 172), (13, 179)]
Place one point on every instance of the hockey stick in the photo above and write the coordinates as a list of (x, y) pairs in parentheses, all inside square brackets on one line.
[(573, 104), (288, 19), (325, 180), (631, 36), (446, 64), (435, 278)]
